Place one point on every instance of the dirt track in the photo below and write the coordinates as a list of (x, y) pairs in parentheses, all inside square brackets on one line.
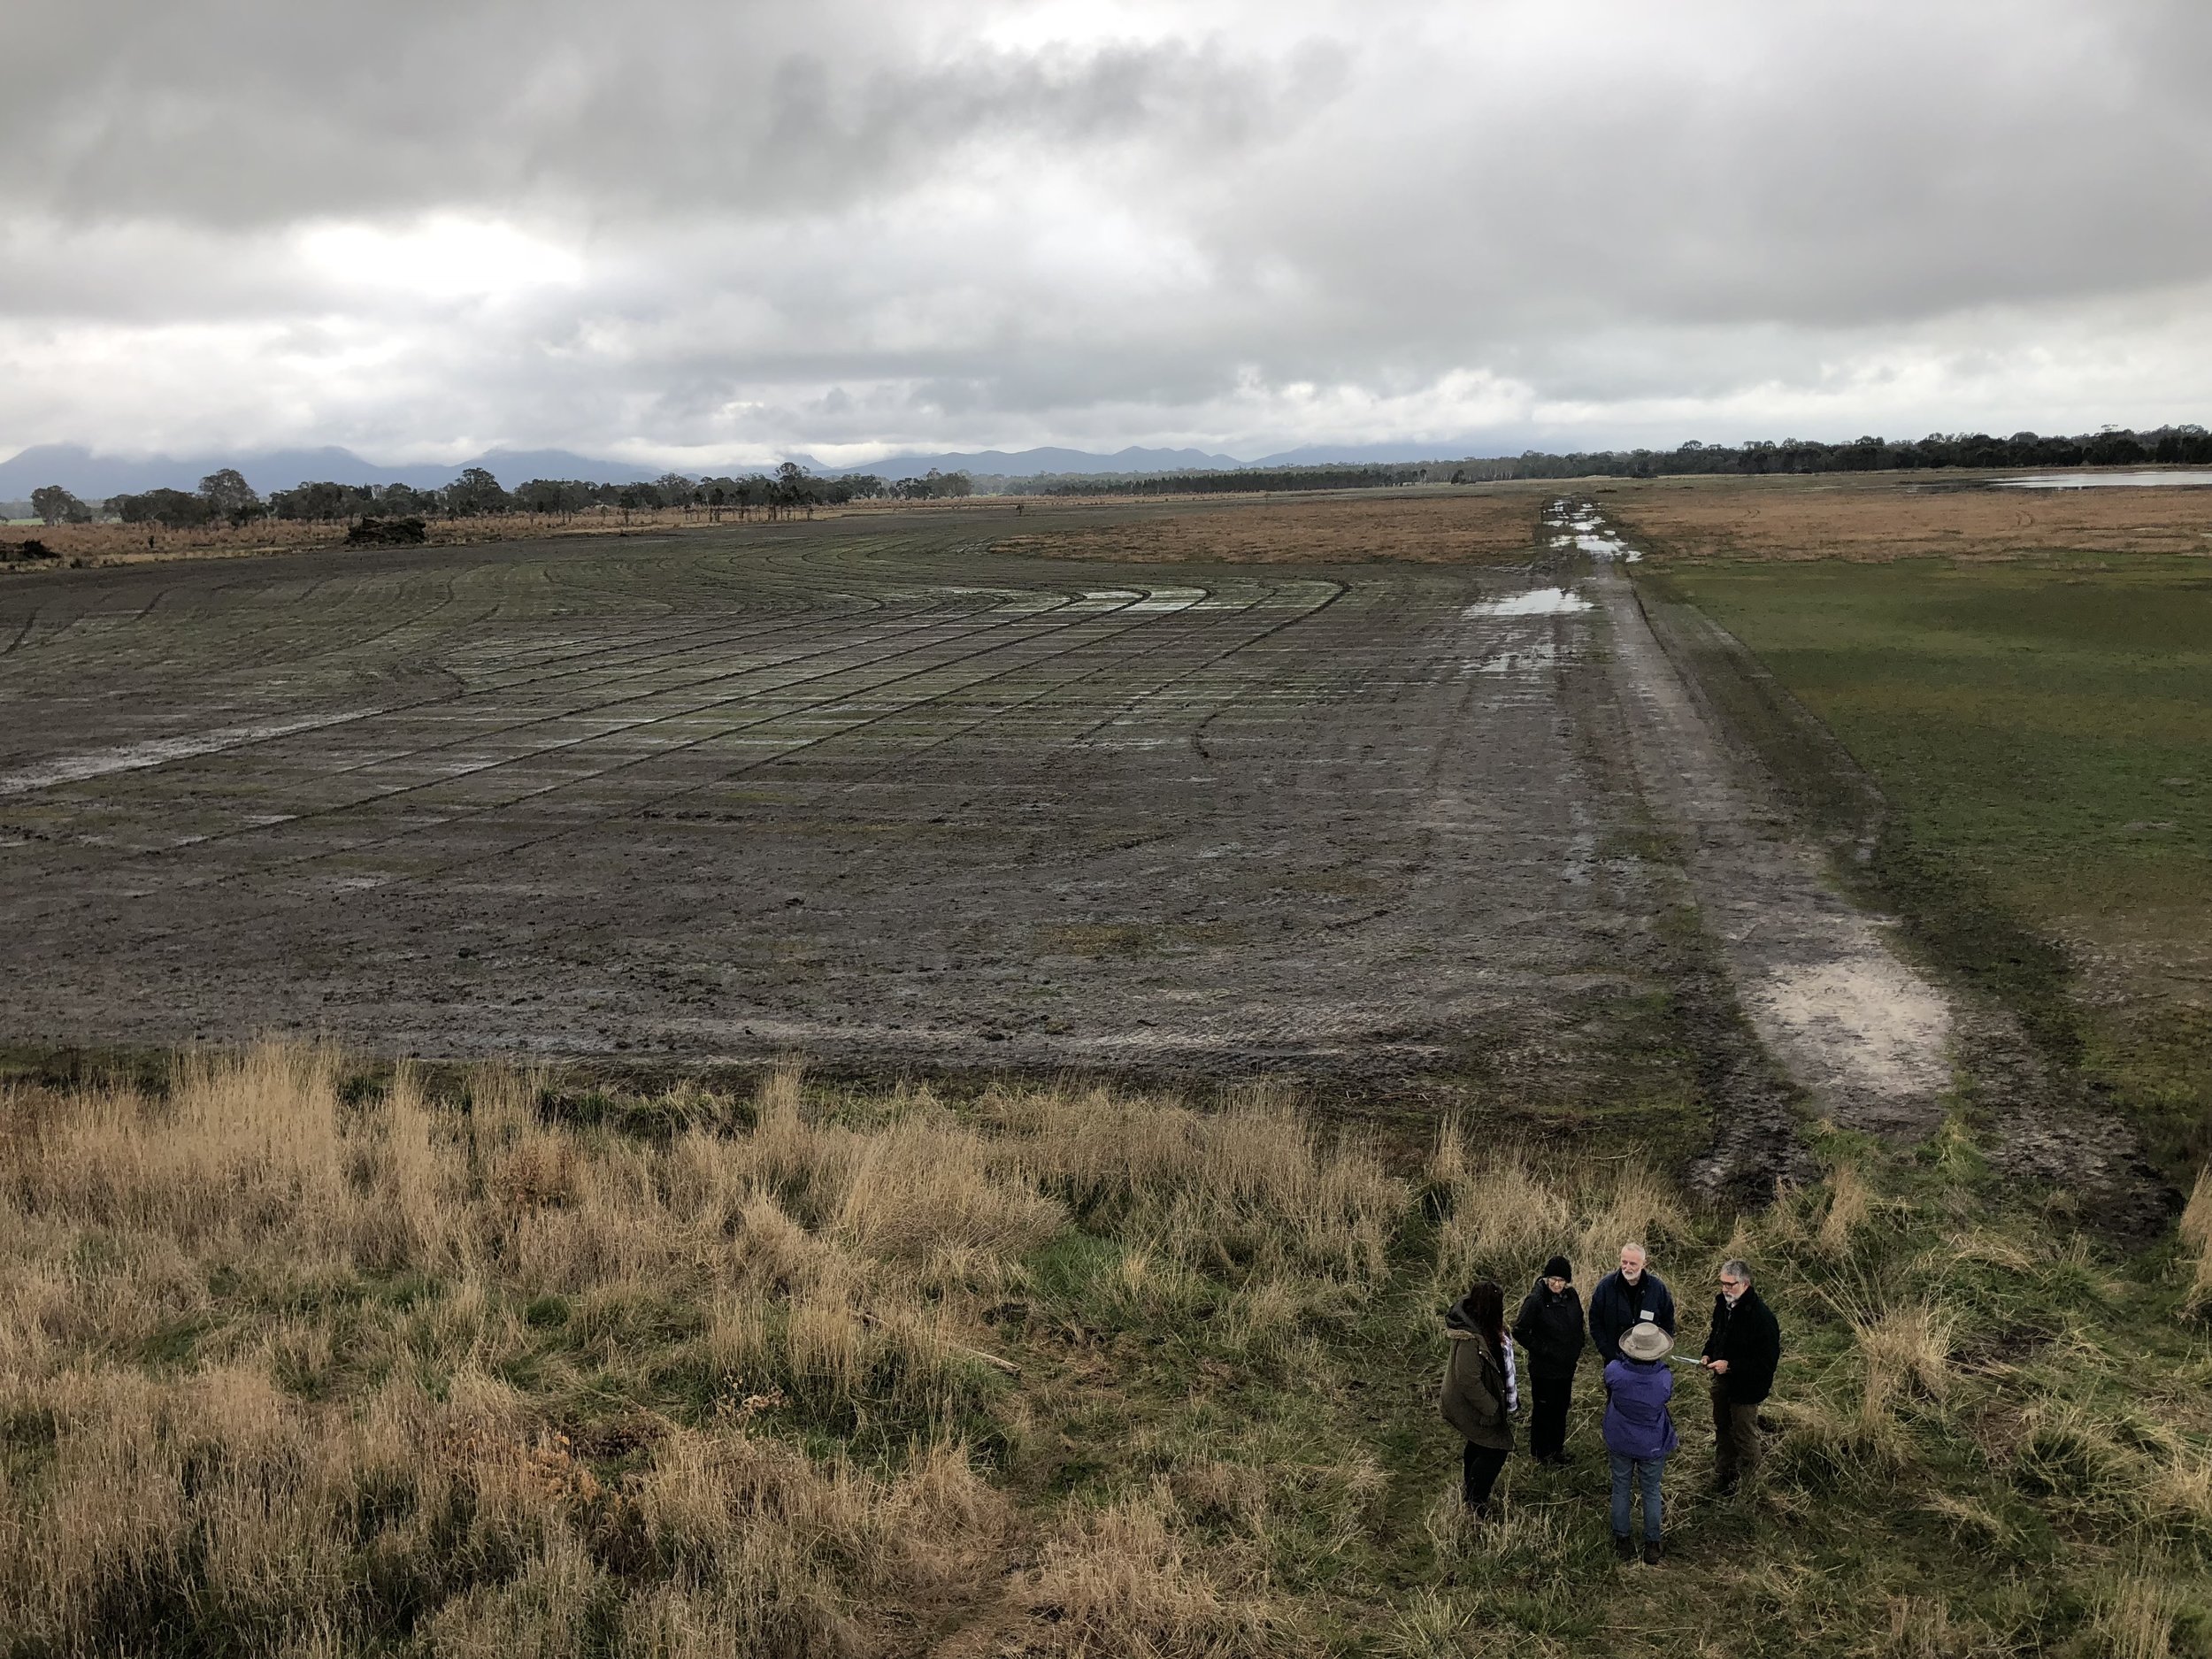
[(865, 793)]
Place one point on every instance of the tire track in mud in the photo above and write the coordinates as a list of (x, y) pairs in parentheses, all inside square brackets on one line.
[(1010, 848), (448, 701), (994, 716), (486, 733), (355, 849), (292, 823), (1867, 1037)]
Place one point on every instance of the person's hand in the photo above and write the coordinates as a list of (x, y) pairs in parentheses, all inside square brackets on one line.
[(1720, 1366)]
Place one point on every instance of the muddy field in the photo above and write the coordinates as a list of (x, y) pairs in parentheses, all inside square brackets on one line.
[(857, 789)]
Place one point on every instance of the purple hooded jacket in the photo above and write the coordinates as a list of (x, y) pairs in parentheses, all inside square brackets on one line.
[(1637, 1422)]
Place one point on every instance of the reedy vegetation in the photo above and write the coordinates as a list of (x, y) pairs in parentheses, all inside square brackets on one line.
[(293, 1363)]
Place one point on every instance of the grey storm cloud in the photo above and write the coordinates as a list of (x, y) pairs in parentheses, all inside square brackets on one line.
[(714, 231)]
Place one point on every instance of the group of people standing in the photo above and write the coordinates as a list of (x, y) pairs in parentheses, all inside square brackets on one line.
[(1631, 1325)]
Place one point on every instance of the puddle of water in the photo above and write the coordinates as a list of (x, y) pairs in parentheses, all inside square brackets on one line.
[(1605, 547), (1586, 532), (2109, 481), (1537, 601)]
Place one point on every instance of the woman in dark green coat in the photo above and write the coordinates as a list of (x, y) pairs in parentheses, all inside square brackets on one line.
[(1478, 1392)]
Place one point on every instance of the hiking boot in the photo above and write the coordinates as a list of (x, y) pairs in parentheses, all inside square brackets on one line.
[(1651, 1552), (1624, 1546)]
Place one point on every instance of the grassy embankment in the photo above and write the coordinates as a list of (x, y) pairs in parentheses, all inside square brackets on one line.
[(2041, 729), (296, 1360)]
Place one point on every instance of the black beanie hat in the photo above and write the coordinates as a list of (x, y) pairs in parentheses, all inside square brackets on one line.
[(1557, 1268)]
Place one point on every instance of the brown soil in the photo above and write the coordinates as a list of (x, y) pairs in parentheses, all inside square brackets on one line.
[(855, 789), (1898, 516)]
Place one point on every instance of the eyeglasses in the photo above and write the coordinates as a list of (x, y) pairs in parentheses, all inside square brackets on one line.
[(1732, 1284)]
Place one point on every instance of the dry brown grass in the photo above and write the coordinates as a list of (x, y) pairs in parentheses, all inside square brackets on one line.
[(1120, 1581), (2196, 1233), (1898, 517), (363, 1423), (238, 1483), (1849, 1204), (1906, 1352), (1246, 1189), (291, 1365), (1470, 525), (1502, 1216)]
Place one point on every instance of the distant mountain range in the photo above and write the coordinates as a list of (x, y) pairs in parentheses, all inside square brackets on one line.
[(93, 476), (82, 472), (1030, 463)]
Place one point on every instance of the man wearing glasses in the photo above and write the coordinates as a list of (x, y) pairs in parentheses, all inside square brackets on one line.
[(1742, 1351)]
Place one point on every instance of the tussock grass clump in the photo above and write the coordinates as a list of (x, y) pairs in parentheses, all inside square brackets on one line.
[(1502, 1216), (1247, 1188), (1121, 1581), (2196, 1233)]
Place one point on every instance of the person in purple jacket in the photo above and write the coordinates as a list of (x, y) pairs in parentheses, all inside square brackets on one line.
[(1639, 1432)]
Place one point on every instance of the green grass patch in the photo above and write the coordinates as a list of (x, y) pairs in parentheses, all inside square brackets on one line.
[(2042, 733)]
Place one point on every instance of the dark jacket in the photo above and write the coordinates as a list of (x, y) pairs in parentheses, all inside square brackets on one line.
[(1637, 1421), (1750, 1340), (1474, 1387), (1616, 1306), (1549, 1330)]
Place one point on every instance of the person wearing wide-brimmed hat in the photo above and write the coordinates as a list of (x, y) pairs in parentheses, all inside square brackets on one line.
[(1639, 1432), (1549, 1330)]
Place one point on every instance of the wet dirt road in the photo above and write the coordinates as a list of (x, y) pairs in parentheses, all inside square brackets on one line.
[(857, 789)]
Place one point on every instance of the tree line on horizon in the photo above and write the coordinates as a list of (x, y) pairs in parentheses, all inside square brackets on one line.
[(2185, 445), (226, 498)]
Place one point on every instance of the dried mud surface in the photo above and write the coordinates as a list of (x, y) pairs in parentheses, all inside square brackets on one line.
[(870, 793)]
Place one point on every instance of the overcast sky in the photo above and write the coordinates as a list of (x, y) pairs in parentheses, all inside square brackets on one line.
[(711, 231)]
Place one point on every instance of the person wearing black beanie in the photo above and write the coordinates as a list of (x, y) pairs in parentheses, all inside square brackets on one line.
[(1550, 1331)]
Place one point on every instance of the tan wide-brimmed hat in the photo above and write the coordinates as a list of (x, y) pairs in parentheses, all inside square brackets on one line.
[(1646, 1341)]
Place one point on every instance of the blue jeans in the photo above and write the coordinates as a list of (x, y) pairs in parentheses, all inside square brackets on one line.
[(1653, 1470)]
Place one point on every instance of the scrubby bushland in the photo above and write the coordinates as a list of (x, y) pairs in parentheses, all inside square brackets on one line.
[(297, 1359), (388, 532)]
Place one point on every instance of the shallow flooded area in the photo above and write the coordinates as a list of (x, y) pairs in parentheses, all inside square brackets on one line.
[(2164, 479)]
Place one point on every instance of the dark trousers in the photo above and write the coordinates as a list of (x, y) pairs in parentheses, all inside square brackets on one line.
[(1548, 1419), (1479, 1467), (1735, 1435)]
